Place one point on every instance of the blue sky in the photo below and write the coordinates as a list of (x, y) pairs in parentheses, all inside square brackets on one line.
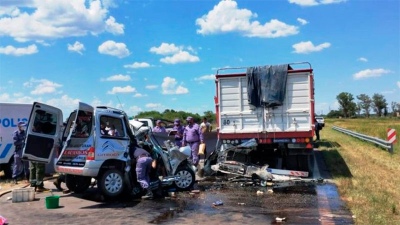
[(157, 55)]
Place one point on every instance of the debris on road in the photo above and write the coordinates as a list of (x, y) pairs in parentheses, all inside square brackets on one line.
[(241, 203), (260, 192), (218, 203), (279, 219)]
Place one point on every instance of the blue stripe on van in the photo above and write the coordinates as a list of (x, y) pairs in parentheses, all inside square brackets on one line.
[(6, 150)]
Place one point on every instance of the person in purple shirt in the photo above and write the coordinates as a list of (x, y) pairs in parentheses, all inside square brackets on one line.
[(193, 136), (159, 127), (179, 132), (143, 167)]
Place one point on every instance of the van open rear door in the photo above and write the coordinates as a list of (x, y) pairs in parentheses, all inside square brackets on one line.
[(43, 133)]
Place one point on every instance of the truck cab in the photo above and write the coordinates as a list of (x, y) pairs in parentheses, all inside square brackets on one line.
[(86, 148)]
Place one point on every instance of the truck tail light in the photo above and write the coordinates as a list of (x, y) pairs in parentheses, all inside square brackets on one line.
[(90, 154)]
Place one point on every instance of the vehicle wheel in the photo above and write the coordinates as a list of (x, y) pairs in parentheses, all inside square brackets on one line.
[(187, 178), (112, 183), (77, 184)]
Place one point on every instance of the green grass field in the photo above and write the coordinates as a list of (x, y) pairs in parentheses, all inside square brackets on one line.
[(366, 175)]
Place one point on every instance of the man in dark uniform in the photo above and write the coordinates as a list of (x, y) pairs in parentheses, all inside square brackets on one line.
[(19, 142), (143, 167)]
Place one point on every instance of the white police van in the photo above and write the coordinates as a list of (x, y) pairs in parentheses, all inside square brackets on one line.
[(10, 115)]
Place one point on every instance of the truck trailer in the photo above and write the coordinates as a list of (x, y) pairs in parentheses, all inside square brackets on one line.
[(272, 108)]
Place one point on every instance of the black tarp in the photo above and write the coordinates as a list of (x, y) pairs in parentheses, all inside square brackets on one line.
[(266, 85)]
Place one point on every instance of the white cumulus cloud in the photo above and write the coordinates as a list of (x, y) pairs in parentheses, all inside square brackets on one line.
[(315, 2), (368, 73), (46, 20), (205, 77), (42, 86), (117, 77), (165, 49), (308, 47), (180, 57), (151, 87), (302, 21), (227, 17), (362, 59), (137, 65), (11, 50), (126, 89), (113, 48), (113, 27), (76, 47), (170, 86)]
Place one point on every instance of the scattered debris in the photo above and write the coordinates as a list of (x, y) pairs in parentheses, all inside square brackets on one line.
[(270, 190), (279, 219), (9, 198), (218, 203), (260, 193), (241, 203), (195, 191)]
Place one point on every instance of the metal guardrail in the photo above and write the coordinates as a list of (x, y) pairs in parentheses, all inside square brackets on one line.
[(380, 142)]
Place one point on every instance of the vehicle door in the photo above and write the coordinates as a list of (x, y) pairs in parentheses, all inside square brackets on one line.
[(77, 137), (113, 140), (43, 133)]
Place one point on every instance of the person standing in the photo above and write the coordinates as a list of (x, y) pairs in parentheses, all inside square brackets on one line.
[(159, 128), (37, 169), (179, 132), (143, 167), (193, 136), (205, 126), (19, 142), (317, 128)]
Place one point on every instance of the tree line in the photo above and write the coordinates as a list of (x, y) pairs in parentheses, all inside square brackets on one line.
[(364, 105), (170, 114)]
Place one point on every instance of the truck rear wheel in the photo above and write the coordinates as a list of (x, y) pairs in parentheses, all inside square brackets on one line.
[(77, 184)]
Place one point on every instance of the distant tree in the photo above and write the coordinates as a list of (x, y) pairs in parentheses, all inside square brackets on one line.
[(379, 103), (358, 108), (334, 114), (210, 115), (365, 103), (394, 107), (385, 112), (347, 106)]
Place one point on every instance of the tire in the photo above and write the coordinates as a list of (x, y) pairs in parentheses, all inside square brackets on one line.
[(112, 183), (77, 184), (187, 178)]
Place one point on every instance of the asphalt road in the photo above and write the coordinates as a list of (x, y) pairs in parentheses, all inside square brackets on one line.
[(318, 203)]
